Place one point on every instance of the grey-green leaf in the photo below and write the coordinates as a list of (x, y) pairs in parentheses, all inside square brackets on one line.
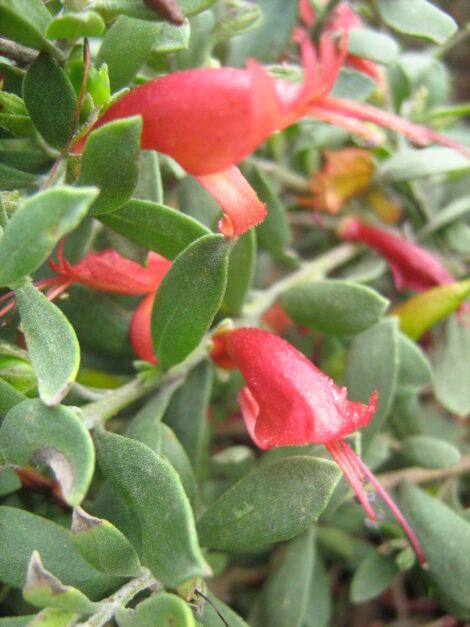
[(210, 618), (157, 227), (110, 162), (334, 307), (452, 368), (407, 163), (26, 21), (285, 594), (9, 397), (273, 233), (52, 344), (374, 575), (371, 44), (429, 451), (174, 452), (103, 546), (153, 489), (448, 561), (22, 532), (34, 434), (372, 364), (187, 416), (145, 426), (414, 368), (34, 230), (417, 17), (149, 184), (126, 47), (274, 502), (162, 609), (43, 589), (50, 99), (188, 299), (240, 272)]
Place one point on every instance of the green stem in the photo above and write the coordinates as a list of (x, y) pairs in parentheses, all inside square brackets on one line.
[(311, 270), (282, 174), (100, 411), (121, 598)]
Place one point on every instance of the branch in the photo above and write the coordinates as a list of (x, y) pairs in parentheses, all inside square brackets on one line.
[(121, 598), (16, 52), (423, 475)]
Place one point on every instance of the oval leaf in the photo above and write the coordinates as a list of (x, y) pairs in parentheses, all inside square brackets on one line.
[(273, 233), (272, 503), (9, 397), (286, 592), (43, 589), (374, 575), (371, 44), (240, 272), (50, 99), (34, 434), (417, 17), (192, 399), (210, 618), (414, 368), (35, 229), (157, 227), (152, 488), (75, 25), (448, 561), (429, 451), (188, 299), (452, 368), (334, 307), (163, 609), (373, 365), (110, 161), (22, 532), (126, 47), (103, 546), (52, 344)]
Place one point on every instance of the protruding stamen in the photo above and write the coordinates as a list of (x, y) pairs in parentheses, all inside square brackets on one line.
[(390, 502), (348, 465)]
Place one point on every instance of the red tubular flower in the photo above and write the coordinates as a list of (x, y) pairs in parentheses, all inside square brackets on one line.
[(290, 402), (412, 266), (106, 271), (210, 119), (139, 331)]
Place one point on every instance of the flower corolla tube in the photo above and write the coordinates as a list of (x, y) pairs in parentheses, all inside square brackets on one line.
[(105, 271), (287, 401), (209, 119), (412, 266)]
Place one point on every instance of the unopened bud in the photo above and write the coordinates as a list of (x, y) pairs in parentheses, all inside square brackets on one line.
[(239, 16)]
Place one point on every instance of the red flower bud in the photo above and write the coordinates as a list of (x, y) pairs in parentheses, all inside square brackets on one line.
[(412, 266), (289, 402)]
